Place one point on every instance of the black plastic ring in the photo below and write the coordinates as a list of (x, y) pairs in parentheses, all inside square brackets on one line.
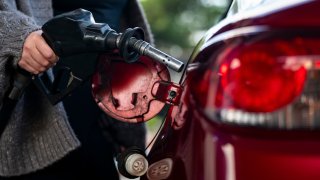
[(126, 51)]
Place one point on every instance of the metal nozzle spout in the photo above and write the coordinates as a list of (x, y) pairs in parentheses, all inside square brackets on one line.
[(146, 49)]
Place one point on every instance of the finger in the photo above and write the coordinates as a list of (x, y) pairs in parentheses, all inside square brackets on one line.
[(39, 58), (24, 65), (33, 63), (46, 51)]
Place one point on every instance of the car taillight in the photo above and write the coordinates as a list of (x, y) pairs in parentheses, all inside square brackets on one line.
[(261, 77), (273, 81)]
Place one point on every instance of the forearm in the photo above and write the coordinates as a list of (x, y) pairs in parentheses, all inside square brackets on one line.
[(14, 28), (38, 133)]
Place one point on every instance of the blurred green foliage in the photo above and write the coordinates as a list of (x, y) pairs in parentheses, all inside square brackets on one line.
[(177, 25)]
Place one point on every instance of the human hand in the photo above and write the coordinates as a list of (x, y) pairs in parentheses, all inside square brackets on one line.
[(37, 56)]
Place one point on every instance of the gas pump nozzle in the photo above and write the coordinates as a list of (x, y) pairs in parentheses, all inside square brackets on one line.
[(76, 36)]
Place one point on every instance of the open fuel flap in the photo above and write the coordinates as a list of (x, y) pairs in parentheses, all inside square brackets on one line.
[(133, 92)]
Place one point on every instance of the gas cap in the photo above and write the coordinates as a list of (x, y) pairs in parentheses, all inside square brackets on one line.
[(125, 91)]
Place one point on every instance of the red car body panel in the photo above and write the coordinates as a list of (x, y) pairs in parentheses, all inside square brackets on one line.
[(204, 149)]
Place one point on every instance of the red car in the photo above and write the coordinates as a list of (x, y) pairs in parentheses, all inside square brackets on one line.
[(249, 106), (245, 107)]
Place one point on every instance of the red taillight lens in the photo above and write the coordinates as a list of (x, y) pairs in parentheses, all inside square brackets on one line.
[(259, 77), (272, 81)]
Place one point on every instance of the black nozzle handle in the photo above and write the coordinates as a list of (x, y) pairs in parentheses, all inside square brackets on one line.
[(21, 80)]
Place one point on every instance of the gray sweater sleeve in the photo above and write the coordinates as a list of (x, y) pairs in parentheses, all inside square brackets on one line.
[(14, 28), (38, 134)]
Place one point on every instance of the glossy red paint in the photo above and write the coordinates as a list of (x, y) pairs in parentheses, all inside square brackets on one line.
[(204, 148)]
